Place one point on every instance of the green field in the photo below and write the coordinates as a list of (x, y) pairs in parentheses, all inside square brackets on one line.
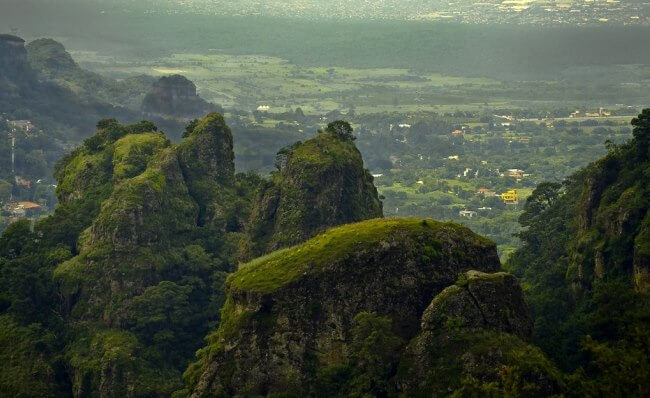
[(248, 81)]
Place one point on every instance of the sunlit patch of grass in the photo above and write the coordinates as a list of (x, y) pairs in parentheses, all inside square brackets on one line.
[(270, 272)]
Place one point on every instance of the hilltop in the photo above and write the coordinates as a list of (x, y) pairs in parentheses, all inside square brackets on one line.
[(320, 183)]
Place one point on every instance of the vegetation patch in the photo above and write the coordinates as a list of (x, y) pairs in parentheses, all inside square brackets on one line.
[(270, 272)]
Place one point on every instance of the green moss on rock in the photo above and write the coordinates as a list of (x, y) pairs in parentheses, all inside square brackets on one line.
[(133, 152), (322, 183), (294, 308), (282, 267), (149, 269), (472, 342)]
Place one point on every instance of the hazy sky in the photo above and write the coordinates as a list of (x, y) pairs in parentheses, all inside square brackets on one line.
[(540, 12)]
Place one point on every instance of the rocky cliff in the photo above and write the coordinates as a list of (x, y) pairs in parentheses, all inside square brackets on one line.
[(49, 58), (295, 320), (175, 97), (320, 183), (13, 59)]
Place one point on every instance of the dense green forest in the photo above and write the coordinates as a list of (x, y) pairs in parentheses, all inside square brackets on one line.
[(584, 266)]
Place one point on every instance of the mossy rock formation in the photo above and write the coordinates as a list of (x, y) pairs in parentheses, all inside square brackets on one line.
[(158, 240), (290, 313), (321, 183), (473, 340)]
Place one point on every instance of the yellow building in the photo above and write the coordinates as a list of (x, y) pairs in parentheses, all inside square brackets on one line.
[(510, 197)]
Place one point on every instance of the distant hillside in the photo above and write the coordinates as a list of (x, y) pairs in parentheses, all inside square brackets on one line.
[(41, 82), (23, 95), (51, 61)]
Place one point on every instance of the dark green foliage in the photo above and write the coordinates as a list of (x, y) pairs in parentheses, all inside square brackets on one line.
[(543, 197), (585, 268), (30, 361), (621, 369), (161, 315), (641, 133), (341, 129), (146, 292), (480, 364), (372, 361), (190, 127), (26, 275)]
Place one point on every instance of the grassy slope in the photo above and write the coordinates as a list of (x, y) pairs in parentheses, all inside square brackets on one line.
[(279, 268)]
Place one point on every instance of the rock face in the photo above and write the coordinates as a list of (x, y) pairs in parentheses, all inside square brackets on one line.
[(321, 183), (50, 58), (13, 58), (290, 313), (585, 256), (481, 301), (175, 97), (471, 334), (642, 257), (207, 152), (207, 162), (612, 214)]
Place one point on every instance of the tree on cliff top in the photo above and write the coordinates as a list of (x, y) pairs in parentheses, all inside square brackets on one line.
[(341, 129)]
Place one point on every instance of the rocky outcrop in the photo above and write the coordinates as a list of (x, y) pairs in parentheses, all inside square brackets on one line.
[(146, 210), (290, 313), (207, 151), (610, 238), (474, 334), (50, 59), (207, 161), (175, 97), (481, 301), (321, 183)]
